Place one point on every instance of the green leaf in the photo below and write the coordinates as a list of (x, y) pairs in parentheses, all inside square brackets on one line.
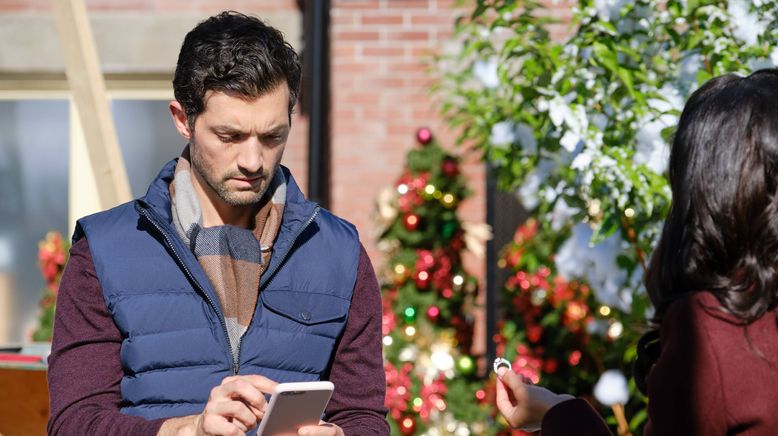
[(626, 76), (606, 57)]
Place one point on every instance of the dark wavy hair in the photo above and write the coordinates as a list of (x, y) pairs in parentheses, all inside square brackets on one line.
[(237, 54), (721, 234)]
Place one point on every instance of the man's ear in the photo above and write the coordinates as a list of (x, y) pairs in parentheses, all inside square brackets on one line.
[(180, 119)]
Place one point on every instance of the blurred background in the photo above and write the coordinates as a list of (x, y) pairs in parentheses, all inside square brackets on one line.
[(503, 161)]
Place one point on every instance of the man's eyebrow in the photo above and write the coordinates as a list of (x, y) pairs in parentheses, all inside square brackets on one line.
[(226, 129), (280, 128)]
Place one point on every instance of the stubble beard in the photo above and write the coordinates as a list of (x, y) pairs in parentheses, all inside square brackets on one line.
[(218, 184)]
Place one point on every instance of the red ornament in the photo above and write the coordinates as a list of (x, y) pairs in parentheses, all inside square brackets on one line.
[(425, 259), (407, 425), (411, 222), (574, 358), (424, 136), (450, 167), (433, 313), (422, 279), (534, 332), (550, 366)]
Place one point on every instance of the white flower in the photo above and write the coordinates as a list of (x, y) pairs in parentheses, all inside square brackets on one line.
[(611, 388), (573, 117), (506, 133), (526, 138), (599, 120), (652, 151), (570, 140), (486, 73), (528, 191), (558, 110), (583, 160), (503, 134), (577, 258), (606, 162), (747, 26), (608, 10), (561, 214)]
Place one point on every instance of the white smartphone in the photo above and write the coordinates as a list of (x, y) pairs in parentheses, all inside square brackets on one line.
[(295, 405)]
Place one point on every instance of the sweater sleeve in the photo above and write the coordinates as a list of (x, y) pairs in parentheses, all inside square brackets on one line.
[(573, 417), (685, 392), (84, 366), (357, 371)]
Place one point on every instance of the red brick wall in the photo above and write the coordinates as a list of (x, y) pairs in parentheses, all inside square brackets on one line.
[(380, 51)]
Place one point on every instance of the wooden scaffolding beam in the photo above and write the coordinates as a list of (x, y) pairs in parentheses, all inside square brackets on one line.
[(91, 101)]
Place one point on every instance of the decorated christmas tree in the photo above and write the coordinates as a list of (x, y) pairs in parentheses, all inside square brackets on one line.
[(428, 300)]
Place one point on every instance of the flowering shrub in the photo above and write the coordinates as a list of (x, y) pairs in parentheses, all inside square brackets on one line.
[(52, 256), (554, 331), (579, 129)]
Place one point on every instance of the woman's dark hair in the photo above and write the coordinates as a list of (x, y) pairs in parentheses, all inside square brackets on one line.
[(722, 231), (236, 54)]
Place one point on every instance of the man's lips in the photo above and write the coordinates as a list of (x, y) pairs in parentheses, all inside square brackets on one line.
[(247, 180)]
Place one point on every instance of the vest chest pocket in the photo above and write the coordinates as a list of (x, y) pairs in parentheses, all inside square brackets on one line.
[(317, 314)]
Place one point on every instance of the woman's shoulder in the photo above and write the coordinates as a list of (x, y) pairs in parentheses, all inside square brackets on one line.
[(700, 307), (699, 318)]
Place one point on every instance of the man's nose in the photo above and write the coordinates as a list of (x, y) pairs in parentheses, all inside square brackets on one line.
[(250, 156)]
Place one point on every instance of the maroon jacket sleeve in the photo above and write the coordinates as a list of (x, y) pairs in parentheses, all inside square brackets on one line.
[(357, 371), (684, 386), (573, 417), (84, 366)]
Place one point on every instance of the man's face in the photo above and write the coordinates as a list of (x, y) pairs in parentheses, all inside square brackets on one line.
[(236, 145)]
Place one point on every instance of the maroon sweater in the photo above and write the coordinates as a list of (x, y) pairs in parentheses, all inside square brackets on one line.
[(85, 369), (714, 377)]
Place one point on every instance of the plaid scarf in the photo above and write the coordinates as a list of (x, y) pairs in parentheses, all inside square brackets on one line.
[(233, 258)]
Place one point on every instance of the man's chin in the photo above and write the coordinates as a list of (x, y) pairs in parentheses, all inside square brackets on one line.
[(243, 198)]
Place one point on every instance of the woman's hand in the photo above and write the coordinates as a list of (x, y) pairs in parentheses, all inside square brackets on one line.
[(523, 405)]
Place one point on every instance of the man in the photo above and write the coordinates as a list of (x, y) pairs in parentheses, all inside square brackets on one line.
[(180, 311)]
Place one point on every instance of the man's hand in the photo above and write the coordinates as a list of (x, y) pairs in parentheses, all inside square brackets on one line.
[(523, 405), (234, 407), (323, 429)]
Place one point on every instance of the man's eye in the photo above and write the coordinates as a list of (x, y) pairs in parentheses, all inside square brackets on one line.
[(230, 138)]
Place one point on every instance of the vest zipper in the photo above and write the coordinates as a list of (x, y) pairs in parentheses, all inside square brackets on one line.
[(191, 277), (273, 273)]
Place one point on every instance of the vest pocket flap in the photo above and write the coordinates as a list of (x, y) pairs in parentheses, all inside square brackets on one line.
[(305, 308)]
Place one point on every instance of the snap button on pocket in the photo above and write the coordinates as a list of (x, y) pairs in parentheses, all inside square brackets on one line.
[(305, 315)]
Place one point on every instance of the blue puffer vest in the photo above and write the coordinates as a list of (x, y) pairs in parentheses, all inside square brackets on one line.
[(175, 347)]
